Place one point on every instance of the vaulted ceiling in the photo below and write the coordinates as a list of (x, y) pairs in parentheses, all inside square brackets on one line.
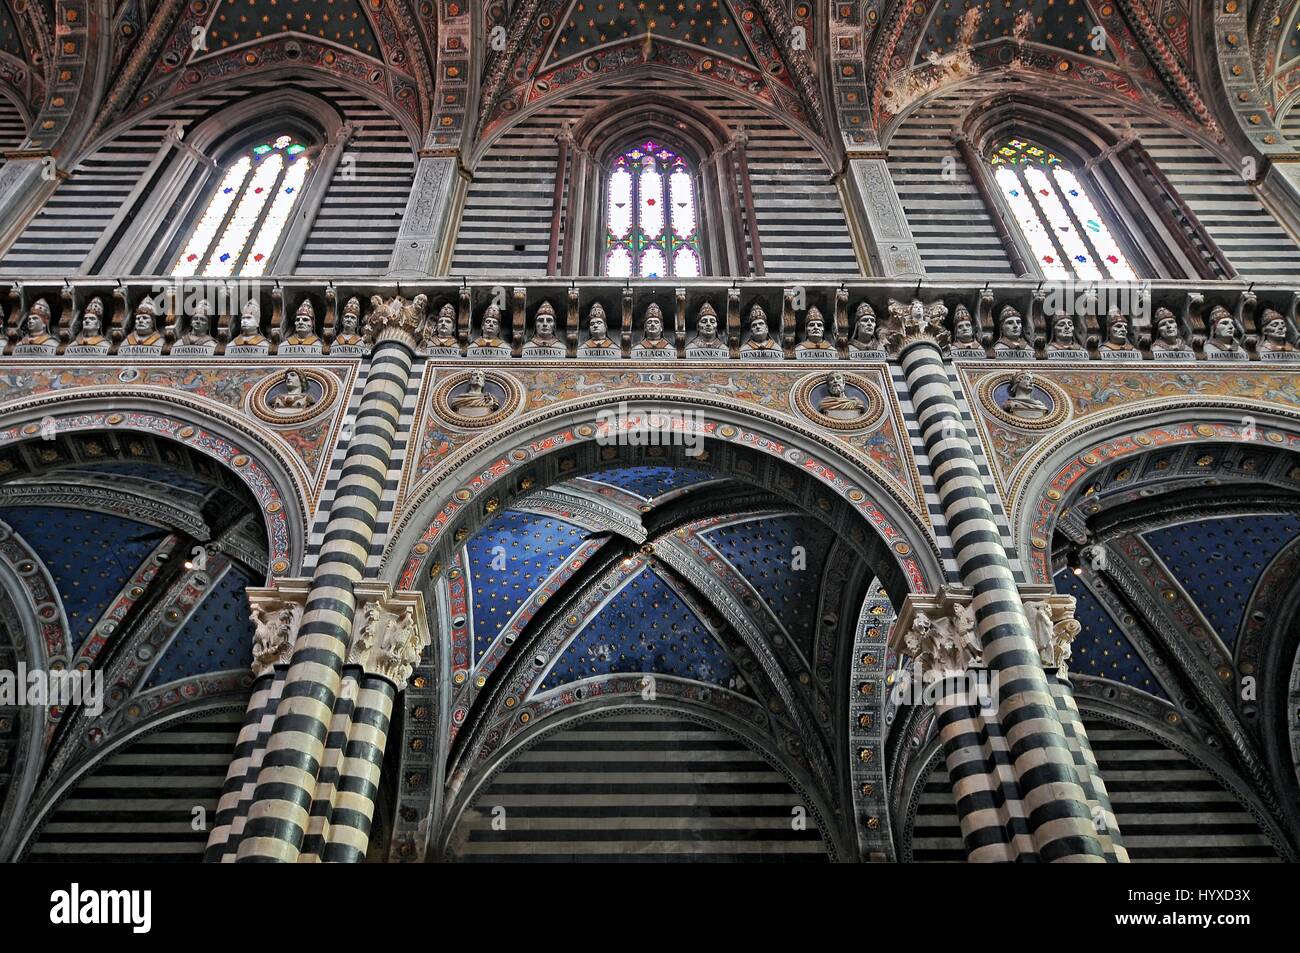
[(718, 593), (459, 71)]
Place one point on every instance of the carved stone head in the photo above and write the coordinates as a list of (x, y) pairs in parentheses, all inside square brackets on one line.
[(38, 318), (492, 321), (250, 320), (200, 321), (1273, 326), (1011, 326), (1223, 327), (351, 316), (814, 325), (1117, 328), (145, 318), (304, 321), (654, 322), (963, 325), (1167, 327), (757, 324), (1063, 330), (545, 321), (597, 326), (92, 319), (865, 324), (707, 321), (445, 323)]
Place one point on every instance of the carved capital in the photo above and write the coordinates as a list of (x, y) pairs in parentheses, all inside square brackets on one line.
[(389, 634), (1053, 626), (910, 323), (938, 631), (276, 615), (395, 319)]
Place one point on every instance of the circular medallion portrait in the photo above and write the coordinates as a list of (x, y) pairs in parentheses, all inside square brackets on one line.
[(1024, 399), (293, 395), (476, 398), (838, 400)]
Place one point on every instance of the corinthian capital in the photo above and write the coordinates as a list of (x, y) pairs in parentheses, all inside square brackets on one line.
[(916, 321), (395, 318)]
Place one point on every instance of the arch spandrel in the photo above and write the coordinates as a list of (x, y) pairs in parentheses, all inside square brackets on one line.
[(267, 464), (1116, 412), (509, 455)]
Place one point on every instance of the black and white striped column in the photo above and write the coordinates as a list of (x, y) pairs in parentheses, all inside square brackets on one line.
[(279, 817), (1055, 805)]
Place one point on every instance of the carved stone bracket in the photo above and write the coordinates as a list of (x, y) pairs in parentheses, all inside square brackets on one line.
[(390, 632)]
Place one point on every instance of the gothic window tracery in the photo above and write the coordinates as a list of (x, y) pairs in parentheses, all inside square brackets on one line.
[(240, 226), (651, 218), (1056, 216)]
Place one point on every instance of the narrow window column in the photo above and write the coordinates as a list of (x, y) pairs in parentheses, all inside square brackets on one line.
[(879, 216), (1055, 804), (279, 817), (426, 221)]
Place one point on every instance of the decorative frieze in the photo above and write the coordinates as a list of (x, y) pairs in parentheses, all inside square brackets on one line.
[(1017, 321)]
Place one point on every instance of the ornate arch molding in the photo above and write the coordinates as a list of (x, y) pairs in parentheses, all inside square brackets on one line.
[(891, 51), (688, 82), (78, 69), (53, 790), (276, 482), (818, 802), (910, 788), (146, 233), (1268, 647), (1054, 475), (562, 442), (24, 598), (1133, 193), (530, 35)]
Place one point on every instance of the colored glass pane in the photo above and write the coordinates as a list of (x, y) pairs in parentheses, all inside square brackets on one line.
[(651, 217), (238, 230)]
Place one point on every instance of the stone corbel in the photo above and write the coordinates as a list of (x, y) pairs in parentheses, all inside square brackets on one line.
[(938, 631), (390, 632), (276, 615)]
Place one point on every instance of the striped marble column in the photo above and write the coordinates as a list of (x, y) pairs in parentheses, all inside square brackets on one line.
[(279, 817), (353, 807), (241, 776), (1055, 804)]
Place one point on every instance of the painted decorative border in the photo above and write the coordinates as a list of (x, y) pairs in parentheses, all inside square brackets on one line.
[(257, 478), (572, 435), (1046, 507)]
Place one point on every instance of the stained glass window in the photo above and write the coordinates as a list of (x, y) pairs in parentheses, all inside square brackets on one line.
[(652, 225), (238, 231), (1057, 218)]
